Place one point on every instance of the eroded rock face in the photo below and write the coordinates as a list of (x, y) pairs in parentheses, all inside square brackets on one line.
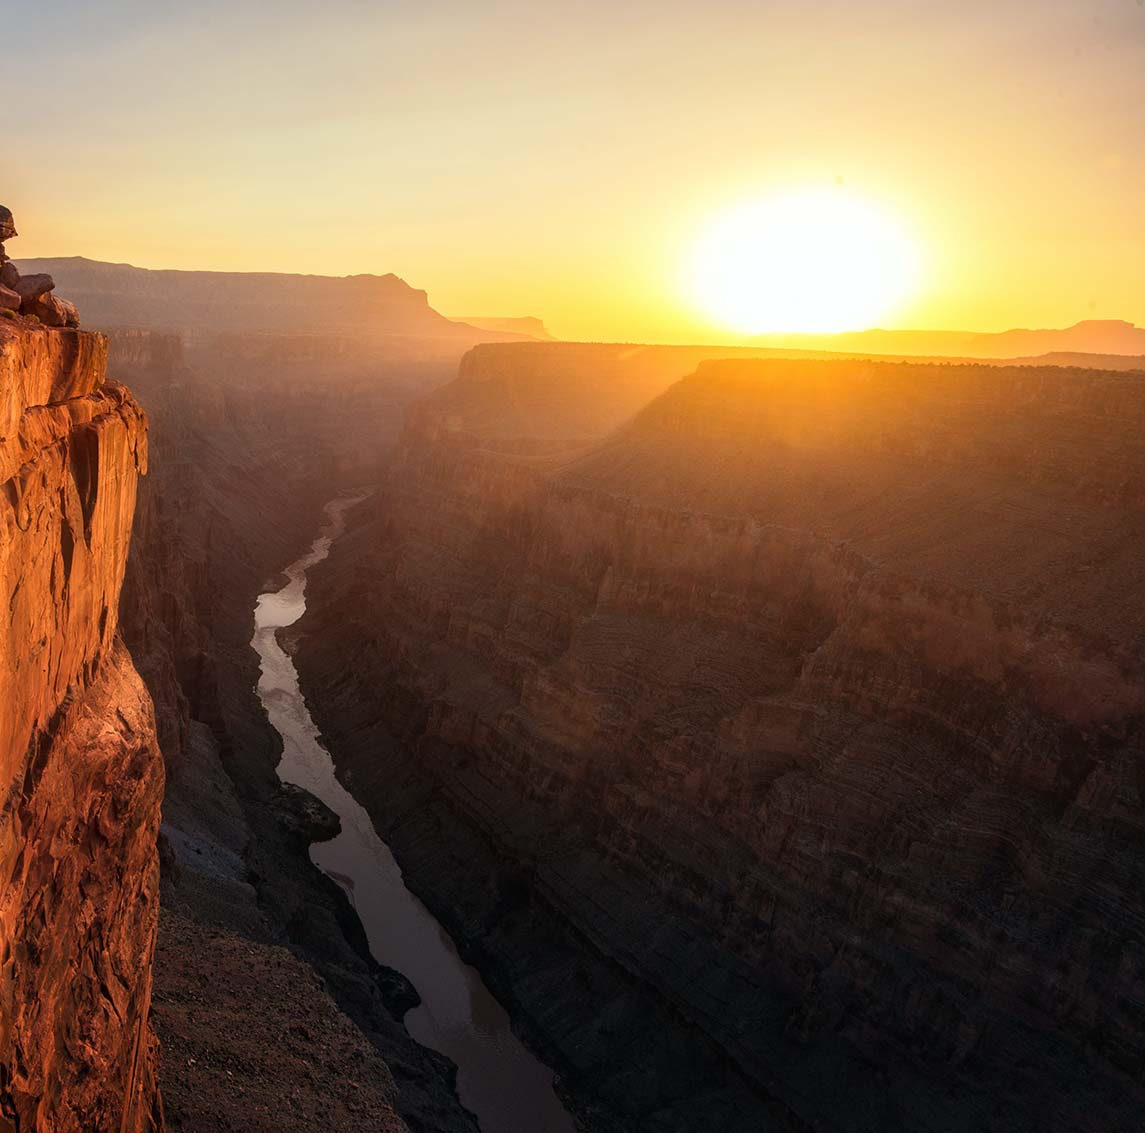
[(80, 772), (810, 699)]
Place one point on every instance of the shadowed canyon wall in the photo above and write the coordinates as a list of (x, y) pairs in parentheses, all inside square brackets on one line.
[(251, 434), (774, 746), (81, 776)]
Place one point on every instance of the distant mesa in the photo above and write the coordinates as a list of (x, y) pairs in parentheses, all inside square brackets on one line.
[(528, 327), (1093, 336), (29, 295), (120, 295)]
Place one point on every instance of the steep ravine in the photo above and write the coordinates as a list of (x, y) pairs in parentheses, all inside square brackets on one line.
[(271, 1011), (500, 1081), (479, 858), (777, 756), (251, 433)]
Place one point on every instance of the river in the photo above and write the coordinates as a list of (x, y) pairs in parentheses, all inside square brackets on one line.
[(498, 1079)]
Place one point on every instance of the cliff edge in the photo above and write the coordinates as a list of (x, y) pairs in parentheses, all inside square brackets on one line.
[(80, 771)]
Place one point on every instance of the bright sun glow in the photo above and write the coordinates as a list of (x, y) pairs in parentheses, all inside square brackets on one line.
[(812, 262)]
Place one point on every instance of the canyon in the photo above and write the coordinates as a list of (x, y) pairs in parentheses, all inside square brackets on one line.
[(264, 995), (768, 736), (762, 726), (699, 690), (253, 435), (269, 1006)]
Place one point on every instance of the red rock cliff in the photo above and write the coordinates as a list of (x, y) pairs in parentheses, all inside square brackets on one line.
[(80, 771)]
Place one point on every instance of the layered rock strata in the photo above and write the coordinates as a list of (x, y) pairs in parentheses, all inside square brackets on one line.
[(81, 777), (779, 754)]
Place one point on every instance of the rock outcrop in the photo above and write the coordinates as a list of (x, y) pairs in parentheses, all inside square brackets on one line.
[(30, 295), (81, 777), (780, 752)]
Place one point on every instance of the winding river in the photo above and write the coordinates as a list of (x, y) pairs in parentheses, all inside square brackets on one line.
[(498, 1080)]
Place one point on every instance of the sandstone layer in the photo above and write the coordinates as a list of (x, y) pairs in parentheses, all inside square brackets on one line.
[(777, 754), (81, 777)]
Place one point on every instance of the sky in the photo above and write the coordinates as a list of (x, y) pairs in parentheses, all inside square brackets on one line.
[(564, 160)]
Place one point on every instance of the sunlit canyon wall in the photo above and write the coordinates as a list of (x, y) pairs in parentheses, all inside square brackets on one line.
[(81, 776)]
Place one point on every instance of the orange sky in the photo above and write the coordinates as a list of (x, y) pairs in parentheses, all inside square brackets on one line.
[(563, 159)]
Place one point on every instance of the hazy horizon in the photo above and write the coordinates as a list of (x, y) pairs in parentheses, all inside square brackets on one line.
[(1104, 337), (564, 161)]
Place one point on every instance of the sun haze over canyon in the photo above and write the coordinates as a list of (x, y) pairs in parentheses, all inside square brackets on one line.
[(572, 567)]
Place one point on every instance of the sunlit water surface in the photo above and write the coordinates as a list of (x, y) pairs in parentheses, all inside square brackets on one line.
[(508, 1089)]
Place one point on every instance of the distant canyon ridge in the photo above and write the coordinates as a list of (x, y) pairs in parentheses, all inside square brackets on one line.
[(1092, 336), (120, 295)]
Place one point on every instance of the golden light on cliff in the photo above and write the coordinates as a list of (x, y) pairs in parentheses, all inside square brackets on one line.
[(819, 261)]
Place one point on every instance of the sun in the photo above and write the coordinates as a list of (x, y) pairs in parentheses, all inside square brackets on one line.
[(819, 261)]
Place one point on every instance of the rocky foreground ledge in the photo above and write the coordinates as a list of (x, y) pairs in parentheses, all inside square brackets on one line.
[(81, 775)]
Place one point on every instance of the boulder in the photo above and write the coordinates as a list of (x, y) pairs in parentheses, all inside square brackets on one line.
[(7, 225), (9, 275), (33, 286), (304, 817), (9, 300), (69, 311), (51, 310)]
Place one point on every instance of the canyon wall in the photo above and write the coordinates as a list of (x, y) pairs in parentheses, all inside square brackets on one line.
[(81, 776), (778, 753)]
